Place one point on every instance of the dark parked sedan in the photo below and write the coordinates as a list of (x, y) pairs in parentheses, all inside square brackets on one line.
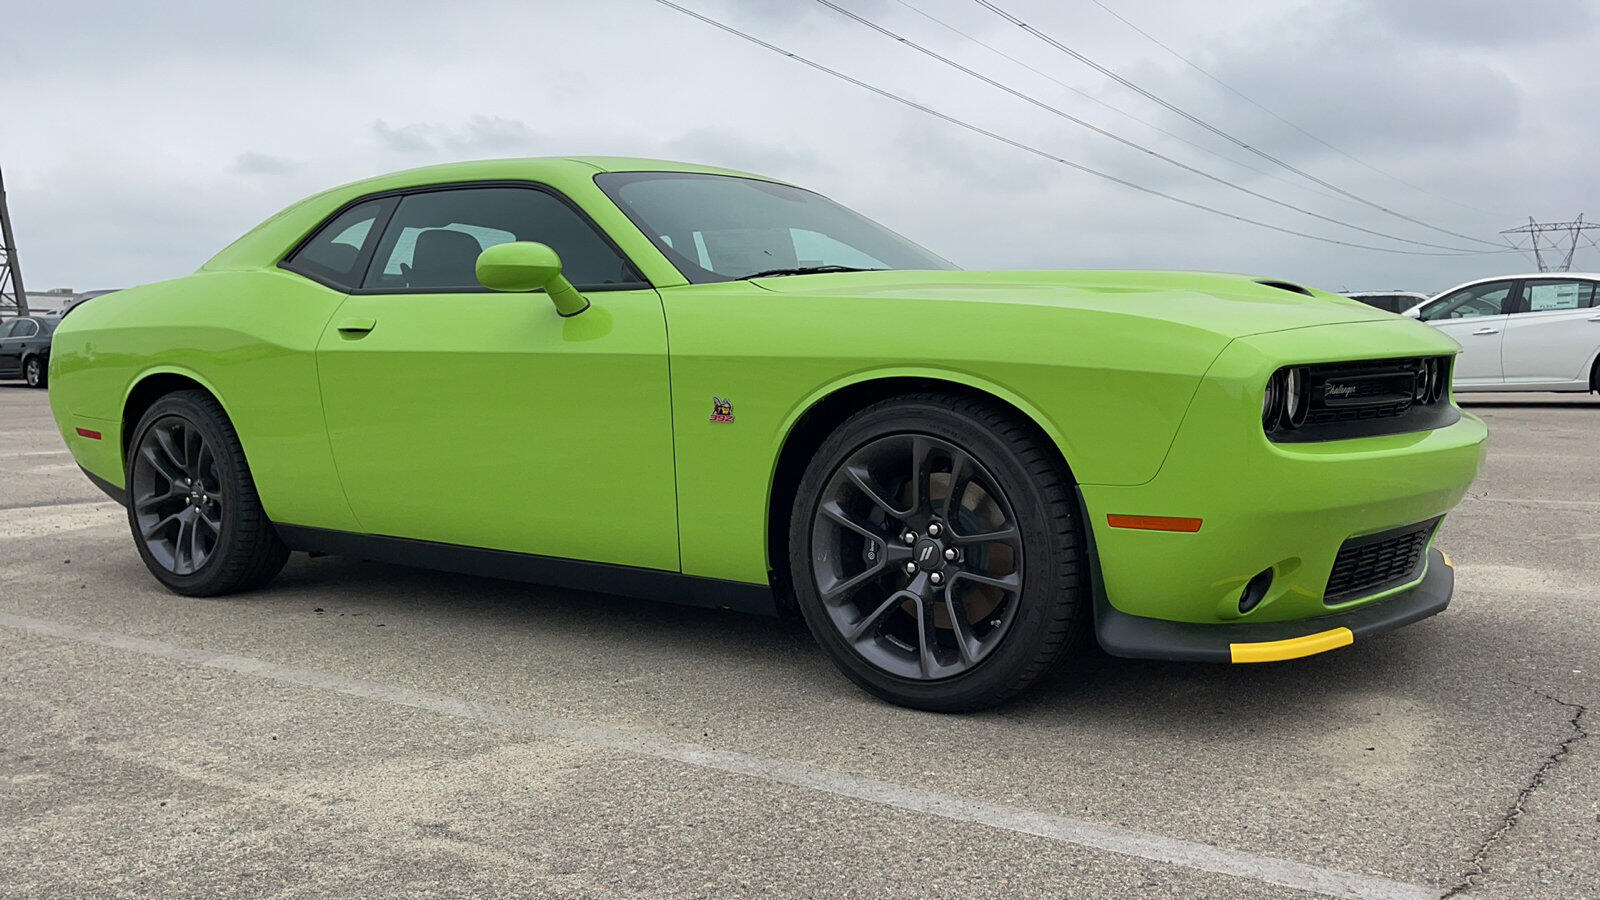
[(25, 348), (1389, 301)]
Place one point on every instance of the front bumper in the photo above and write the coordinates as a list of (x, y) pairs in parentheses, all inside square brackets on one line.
[(1135, 636), (1261, 506)]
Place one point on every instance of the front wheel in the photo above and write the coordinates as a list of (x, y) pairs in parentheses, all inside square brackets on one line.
[(935, 551), (192, 504), (34, 372)]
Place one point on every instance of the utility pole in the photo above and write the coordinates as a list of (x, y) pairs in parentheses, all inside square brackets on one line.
[(1542, 245), (13, 297)]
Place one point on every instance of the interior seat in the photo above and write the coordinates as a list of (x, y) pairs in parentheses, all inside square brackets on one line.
[(443, 258)]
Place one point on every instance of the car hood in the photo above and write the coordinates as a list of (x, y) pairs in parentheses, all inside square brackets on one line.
[(1229, 305)]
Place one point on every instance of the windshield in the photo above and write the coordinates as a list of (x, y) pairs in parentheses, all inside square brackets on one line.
[(721, 228)]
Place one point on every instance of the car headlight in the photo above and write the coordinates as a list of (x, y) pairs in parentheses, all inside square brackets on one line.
[(1285, 403), (1272, 402), (1295, 402)]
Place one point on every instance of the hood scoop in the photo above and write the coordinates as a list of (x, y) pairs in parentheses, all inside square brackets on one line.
[(1284, 286)]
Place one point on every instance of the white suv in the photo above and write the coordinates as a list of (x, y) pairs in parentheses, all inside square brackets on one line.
[(1522, 332)]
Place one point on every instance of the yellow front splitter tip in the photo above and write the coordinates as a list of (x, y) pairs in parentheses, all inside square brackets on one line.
[(1446, 557), (1292, 648)]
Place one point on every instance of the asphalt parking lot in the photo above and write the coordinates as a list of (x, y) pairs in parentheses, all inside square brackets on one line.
[(363, 729)]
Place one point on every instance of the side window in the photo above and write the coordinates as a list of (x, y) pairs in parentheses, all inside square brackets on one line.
[(335, 253), (1491, 299), (433, 240), (1557, 294), (6, 328), (24, 328)]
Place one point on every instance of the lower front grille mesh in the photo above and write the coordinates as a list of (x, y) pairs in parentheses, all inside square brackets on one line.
[(1376, 562)]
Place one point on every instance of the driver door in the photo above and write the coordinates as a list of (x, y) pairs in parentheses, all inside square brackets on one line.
[(1476, 317), (464, 416)]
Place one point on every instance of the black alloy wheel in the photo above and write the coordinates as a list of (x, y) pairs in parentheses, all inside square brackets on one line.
[(917, 556), (935, 552), (177, 495), (192, 504)]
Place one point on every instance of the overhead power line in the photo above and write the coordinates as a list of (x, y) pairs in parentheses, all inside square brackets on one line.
[(1298, 184), (986, 4), (1027, 98), (1273, 113), (1028, 148)]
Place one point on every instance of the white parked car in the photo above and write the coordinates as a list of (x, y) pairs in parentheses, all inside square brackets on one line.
[(1522, 332)]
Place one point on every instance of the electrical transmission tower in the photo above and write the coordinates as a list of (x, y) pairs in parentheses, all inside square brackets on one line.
[(13, 298), (1543, 245)]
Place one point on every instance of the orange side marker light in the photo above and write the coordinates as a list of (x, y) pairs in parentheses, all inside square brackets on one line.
[(1155, 523)]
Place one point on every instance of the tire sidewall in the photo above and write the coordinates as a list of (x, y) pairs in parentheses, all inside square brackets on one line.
[(1029, 635), (229, 470)]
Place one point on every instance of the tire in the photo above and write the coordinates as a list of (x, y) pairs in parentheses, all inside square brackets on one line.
[(1012, 550), (210, 537), (35, 372)]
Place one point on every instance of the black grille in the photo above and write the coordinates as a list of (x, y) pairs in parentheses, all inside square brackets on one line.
[(1352, 392), (1366, 398), (1374, 563)]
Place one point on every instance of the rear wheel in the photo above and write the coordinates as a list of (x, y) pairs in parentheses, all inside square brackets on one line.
[(192, 504), (935, 552), (34, 372)]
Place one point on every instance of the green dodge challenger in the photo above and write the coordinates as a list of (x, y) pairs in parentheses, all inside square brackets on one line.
[(706, 386)]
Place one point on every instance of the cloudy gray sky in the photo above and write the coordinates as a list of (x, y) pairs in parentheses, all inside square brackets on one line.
[(139, 138)]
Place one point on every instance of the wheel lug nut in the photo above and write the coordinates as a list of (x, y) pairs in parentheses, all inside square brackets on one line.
[(911, 568), (935, 577), (950, 553), (933, 529), (910, 538)]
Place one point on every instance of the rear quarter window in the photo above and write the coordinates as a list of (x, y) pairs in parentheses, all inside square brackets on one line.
[(337, 253)]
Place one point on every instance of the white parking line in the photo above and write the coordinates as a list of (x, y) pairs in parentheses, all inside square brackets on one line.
[(1124, 841), (54, 518), (1583, 504)]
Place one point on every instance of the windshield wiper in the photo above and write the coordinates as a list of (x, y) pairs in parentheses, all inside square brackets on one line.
[(802, 270)]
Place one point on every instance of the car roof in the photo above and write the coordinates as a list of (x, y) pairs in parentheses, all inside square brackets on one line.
[(44, 319), (537, 168), (569, 174), (1586, 276), (1384, 294)]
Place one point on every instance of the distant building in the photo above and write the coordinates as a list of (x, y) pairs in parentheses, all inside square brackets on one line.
[(51, 301)]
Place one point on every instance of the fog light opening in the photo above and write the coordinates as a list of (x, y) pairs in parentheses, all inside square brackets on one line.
[(1255, 591)]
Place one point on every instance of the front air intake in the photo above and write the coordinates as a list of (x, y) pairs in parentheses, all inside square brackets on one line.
[(1375, 563)]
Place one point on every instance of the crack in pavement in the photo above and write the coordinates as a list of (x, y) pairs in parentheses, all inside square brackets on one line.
[(1476, 866)]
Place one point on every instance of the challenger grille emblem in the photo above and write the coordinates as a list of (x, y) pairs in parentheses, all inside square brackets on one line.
[(1338, 390)]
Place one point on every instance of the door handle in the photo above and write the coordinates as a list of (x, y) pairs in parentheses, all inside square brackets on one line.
[(356, 326), (1487, 331)]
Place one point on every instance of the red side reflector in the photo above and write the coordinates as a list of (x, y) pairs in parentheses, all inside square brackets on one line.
[(91, 435), (1155, 523)]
